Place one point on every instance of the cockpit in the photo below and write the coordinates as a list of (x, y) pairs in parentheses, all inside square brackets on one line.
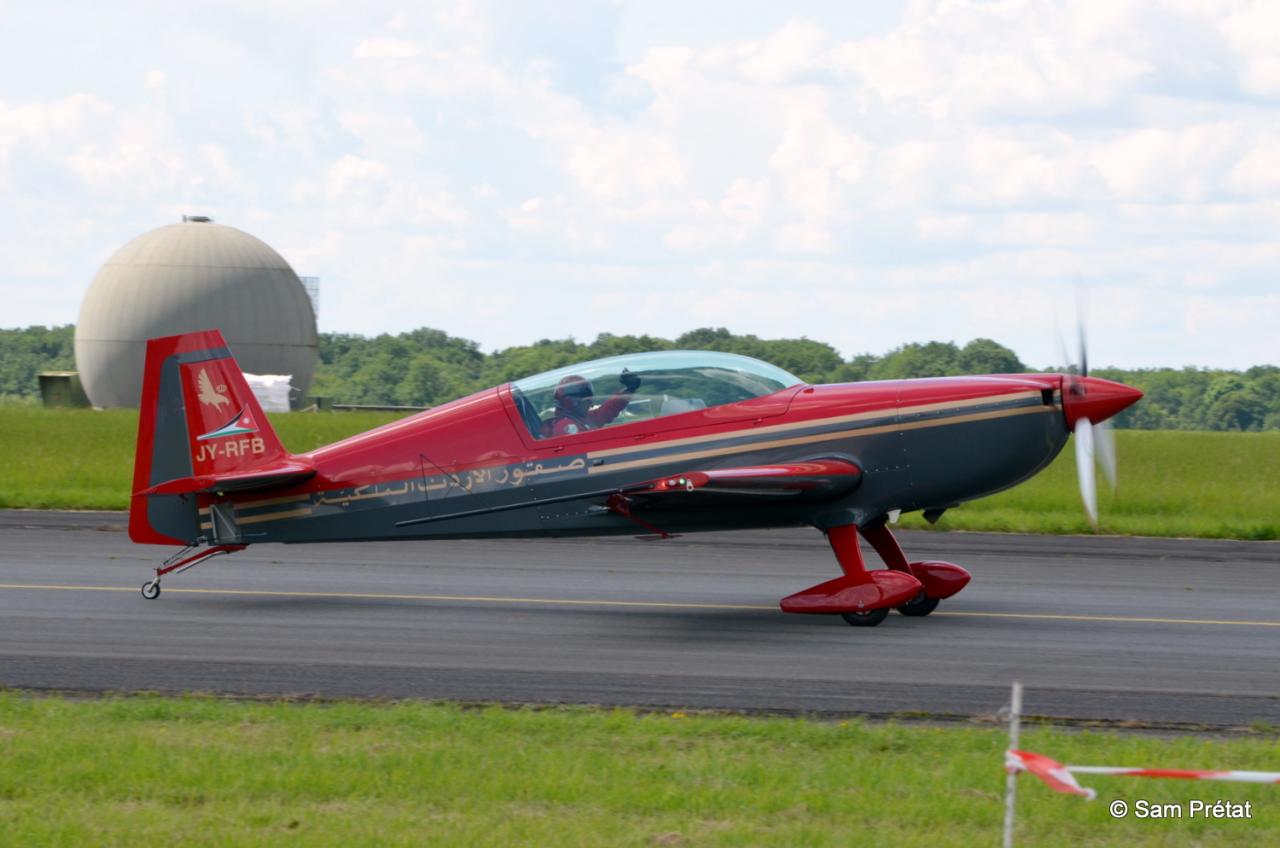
[(641, 386)]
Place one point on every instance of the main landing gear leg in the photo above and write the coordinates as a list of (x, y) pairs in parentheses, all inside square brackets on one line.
[(938, 580), (181, 562), (863, 598)]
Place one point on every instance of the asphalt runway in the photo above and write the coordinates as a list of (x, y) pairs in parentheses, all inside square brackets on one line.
[(1164, 633)]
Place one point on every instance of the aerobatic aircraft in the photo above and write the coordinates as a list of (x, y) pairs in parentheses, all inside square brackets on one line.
[(653, 443)]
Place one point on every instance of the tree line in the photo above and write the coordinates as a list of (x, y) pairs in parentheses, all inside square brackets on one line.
[(425, 367)]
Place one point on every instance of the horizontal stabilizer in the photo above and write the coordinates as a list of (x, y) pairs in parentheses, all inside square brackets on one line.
[(277, 476)]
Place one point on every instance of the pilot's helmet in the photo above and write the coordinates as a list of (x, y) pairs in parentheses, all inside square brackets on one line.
[(572, 392)]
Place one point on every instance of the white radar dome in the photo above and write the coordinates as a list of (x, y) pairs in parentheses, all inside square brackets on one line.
[(196, 275)]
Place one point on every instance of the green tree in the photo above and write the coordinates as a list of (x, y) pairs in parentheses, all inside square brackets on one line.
[(932, 359), (607, 344), (27, 351), (428, 366), (860, 368), (813, 362), (1233, 404), (376, 380), (545, 355), (708, 338), (984, 356), (425, 383)]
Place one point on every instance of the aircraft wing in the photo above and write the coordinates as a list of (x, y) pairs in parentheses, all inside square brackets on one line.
[(814, 479)]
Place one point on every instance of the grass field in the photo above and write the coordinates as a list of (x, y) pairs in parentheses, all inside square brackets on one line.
[(1217, 485), (83, 459), (1213, 485), (202, 771)]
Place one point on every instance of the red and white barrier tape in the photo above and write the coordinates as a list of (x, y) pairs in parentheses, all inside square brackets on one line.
[(1183, 774), (1061, 778), (1052, 772)]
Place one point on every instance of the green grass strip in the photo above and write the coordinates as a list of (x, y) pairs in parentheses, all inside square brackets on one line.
[(83, 459), (1172, 483), (200, 771), (1211, 485)]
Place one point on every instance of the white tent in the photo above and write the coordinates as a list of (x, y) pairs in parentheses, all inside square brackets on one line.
[(271, 390)]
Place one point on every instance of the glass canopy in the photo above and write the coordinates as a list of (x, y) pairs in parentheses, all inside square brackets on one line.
[(640, 386)]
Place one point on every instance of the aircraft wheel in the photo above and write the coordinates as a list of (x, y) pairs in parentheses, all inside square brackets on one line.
[(151, 590), (870, 618), (920, 605)]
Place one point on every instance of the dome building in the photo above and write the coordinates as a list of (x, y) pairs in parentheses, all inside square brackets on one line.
[(196, 275)]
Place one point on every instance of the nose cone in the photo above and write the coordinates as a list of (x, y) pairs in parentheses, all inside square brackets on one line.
[(1095, 399)]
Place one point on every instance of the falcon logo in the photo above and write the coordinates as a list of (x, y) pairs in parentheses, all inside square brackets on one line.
[(208, 394)]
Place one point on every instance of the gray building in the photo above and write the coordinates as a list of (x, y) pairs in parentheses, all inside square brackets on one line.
[(196, 275)]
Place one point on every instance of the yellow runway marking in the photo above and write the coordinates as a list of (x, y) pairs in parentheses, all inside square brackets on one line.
[(484, 599), (1121, 618), (495, 599)]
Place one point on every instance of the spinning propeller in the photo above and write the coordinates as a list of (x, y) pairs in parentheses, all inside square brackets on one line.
[(1088, 402)]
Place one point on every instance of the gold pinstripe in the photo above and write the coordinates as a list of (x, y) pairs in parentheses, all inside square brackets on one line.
[(816, 422), (293, 513), (257, 519), (204, 510), (822, 437)]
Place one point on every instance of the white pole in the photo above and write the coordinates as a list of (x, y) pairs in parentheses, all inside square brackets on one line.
[(1011, 779)]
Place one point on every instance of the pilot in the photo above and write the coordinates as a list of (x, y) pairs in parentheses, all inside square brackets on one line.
[(573, 397)]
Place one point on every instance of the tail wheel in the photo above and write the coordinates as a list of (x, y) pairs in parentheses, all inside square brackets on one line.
[(920, 605), (870, 618)]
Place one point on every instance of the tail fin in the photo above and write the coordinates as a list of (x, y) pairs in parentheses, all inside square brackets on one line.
[(200, 432)]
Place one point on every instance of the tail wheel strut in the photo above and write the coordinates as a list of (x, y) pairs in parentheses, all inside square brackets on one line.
[(181, 561)]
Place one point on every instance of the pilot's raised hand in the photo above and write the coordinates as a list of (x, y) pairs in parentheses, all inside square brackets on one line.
[(629, 381)]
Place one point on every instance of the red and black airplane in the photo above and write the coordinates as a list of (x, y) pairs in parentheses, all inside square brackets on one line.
[(666, 442)]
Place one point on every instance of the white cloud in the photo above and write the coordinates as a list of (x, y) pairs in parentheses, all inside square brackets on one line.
[(1256, 173), (950, 175), (384, 135), (969, 60), (1251, 29), (38, 125), (817, 161), (105, 151), (629, 172), (945, 227), (1187, 164), (555, 218), (791, 53), (386, 48), (1043, 228), (366, 193), (738, 214)]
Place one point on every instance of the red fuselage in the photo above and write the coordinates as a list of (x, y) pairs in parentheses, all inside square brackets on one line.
[(469, 468)]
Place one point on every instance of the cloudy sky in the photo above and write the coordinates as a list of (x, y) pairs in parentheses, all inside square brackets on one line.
[(865, 174)]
